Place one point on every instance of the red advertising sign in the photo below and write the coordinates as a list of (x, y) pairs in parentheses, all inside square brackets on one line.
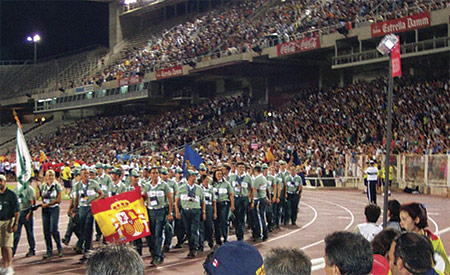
[(123, 81), (301, 45), (170, 72), (403, 24), (134, 79), (396, 65)]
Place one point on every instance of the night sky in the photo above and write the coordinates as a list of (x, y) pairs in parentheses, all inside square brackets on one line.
[(63, 26)]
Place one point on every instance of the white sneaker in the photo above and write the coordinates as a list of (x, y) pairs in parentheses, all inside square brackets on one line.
[(9, 271)]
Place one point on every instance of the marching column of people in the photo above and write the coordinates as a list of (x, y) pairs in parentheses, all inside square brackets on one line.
[(197, 208)]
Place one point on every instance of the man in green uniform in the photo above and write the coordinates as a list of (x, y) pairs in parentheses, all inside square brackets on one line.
[(117, 185), (179, 227), (86, 192), (158, 196), (206, 227), (27, 199), (225, 201), (242, 184), (169, 226), (282, 174), (258, 205), (72, 226), (191, 198), (105, 182), (294, 191)]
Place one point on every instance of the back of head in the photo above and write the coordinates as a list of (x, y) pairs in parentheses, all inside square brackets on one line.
[(287, 261), (416, 252), (115, 259), (394, 209), (372, 212), (383, 240), (350, 252)]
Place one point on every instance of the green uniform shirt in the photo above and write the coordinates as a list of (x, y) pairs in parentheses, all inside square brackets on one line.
[(190, 197), (87, 192), (29, 193), (172, 185), (116, 189), (157, 195), (50, 193), (222, 189), (210, 197), (293, 184), (271, 183), (241, 184), (105, 182), (260, 184)]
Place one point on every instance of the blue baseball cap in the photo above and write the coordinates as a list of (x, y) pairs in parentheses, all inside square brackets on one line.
[(236, 258)]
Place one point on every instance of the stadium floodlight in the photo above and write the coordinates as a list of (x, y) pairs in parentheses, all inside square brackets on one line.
[(128, 2), (387, 44), (385, 47), (34, 39)]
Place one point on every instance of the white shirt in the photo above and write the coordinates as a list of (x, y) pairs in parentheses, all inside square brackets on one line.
[(369, 230), (372, 173)]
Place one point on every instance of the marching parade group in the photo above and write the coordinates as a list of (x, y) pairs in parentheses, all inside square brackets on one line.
[(198, 205)]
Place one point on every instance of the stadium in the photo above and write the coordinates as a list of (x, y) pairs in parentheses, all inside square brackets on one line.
[(292, 97)]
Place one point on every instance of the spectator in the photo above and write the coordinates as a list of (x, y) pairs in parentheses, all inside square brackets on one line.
[(370, 228), (115, 259), (411, 253), (234, 258), (383, 240), (413, 218), (347, 253), (285, 261), (393, 213)]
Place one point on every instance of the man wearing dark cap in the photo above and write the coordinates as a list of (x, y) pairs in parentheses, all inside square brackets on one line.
[(192, 201), (117, 186), (235, 258)]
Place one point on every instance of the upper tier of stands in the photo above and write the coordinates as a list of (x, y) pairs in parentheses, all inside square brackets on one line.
[(234, 27)]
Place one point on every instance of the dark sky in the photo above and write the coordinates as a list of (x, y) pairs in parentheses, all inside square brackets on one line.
[(63, 25)]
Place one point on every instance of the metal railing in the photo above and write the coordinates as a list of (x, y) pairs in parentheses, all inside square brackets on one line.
[(405, 49)]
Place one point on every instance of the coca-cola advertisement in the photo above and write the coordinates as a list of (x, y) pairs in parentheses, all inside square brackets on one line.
[(170, 72), (301, 45), (123, 81), (403, 24)]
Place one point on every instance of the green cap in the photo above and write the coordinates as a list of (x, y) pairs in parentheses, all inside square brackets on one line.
[(134, 173), (202, 167), (281, 162), (164, 171), (190, 173), (77, 171), (264, 166), (92, 170), (116, 171), (98, 166), (210, 162), (178, 170)]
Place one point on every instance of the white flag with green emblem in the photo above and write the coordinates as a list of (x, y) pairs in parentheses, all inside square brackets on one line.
[(23, 160)]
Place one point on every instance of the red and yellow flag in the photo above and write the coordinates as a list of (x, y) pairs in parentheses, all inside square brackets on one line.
[(269, 155), (122, 218), (42, 156)]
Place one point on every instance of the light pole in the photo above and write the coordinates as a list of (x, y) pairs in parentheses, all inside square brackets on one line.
[(386, 46), (35, 40)]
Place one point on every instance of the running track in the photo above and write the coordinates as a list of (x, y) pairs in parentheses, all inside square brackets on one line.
[(321, 212)]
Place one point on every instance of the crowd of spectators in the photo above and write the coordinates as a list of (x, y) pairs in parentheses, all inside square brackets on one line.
[(234, 28), (322, 126)]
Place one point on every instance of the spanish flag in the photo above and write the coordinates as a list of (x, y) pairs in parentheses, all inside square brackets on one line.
[(269, 155), (122, 218), (42, 156)]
